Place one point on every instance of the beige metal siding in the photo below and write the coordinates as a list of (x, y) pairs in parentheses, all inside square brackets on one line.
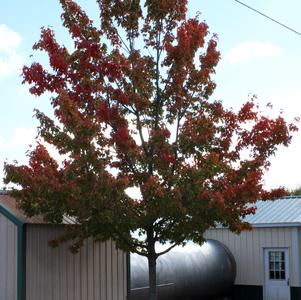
[(8, 259), (97, 272), (247, 248)]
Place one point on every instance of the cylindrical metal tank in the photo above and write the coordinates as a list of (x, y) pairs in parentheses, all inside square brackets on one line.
[(186, 273)]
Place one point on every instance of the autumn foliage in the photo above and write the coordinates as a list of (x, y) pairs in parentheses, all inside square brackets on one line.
[(132, 109)]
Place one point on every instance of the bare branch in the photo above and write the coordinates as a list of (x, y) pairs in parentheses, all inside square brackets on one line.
[(169, 248), (123, 42)]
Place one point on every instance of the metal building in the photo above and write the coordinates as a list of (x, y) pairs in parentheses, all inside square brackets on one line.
[(268, 257), (191, 272), (31, 270)]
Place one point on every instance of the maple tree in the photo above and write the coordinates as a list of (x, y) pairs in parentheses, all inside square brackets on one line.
[(132, 109)]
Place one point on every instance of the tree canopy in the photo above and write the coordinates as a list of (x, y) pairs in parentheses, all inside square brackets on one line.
[(132, 109), (296, 191)]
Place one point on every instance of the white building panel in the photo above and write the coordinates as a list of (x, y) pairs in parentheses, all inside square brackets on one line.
[(97, 272), (8, 259), (247, 249)]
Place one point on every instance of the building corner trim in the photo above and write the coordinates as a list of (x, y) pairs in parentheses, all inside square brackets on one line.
[(128, 273), (296, 253)]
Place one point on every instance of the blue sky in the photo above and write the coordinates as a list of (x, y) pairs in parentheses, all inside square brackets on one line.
[(258, 57)]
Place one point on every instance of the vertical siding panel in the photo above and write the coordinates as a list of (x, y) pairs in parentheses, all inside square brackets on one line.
[(289, 242), (281, 236), (125, 277), (28, 256), (109, 269), (299, 248), (14, 265), (237, 256), (253, 259), (57, 273), (274, 236), (299, 241), (227, 236), (246, 254), (262, 246), (237, 245), (223, 235), (96, 272), (8, 262), (2, 257), (47, 287), (77, 277), (8, 259), (63, 283), (293, 260), (114, 272), (70, 277), (97, 282), (249, 263), (234, 246), (242, 258), (247, 249), (103, 270), (90, 270), (39, 263), (256, 257), (268, 238), (218, 234), (120, 266), (288, 236), (53, 260), (236, 253), (83, 272), (209, 234)]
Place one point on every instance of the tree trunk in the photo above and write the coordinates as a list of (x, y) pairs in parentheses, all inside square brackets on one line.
[(152, 259), (152, 277)]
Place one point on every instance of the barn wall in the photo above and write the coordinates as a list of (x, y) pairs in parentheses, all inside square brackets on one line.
[(299, 255), (8, 259), (98, 271), (247, 248)]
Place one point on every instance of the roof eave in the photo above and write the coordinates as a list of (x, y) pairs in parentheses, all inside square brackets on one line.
[(11, 216), (284, 224)]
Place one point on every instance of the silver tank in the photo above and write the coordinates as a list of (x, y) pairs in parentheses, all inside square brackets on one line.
[(187, 273)]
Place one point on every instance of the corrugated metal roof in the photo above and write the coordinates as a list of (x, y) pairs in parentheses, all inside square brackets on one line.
[(280, 211), (12, 205)]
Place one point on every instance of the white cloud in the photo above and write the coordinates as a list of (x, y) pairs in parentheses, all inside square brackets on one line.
[(285, 166), (286, 98), (9, 40), (253, 50), (10, 64), (11, 60), (22, 137), (15, 147)]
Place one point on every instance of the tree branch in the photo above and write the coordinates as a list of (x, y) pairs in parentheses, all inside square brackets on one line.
[(168, 249), (139, 126), (131, 244), (158, 99), (123, 42)]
